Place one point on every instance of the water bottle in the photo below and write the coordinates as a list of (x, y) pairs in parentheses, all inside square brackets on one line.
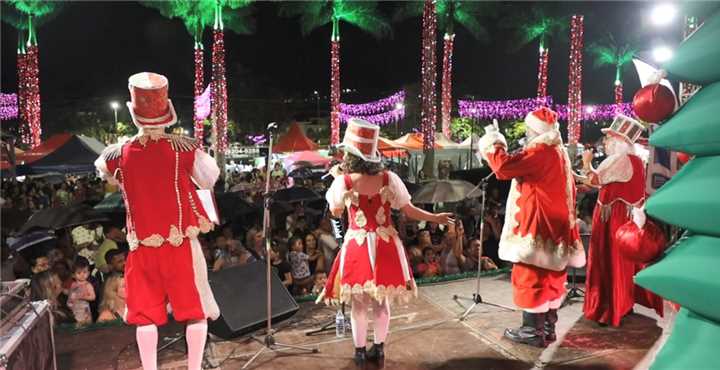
[(340, 324)]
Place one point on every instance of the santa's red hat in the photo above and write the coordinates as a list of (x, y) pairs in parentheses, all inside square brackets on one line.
[(542, 120), (149, 104), (361, 139)]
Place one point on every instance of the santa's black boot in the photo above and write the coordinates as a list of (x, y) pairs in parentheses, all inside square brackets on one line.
[(531, 332), (376, 352), (360, 357), (551, 319)]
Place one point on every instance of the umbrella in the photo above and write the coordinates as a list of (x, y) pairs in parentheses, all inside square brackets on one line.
[(13, 218), (32, 239), (445, 191), (232, 205), (411, 186), (112, 203), (295, 194), (62, 217), (304, 173)]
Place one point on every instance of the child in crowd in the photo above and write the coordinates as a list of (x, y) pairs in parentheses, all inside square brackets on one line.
[(320, 280), (431, 264), (300, 266), (81, 292)]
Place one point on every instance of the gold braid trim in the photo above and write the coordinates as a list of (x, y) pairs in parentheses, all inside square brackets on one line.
[(393, 293), (175, 237)]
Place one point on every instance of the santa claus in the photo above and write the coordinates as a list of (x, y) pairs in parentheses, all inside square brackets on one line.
[(610, 291), (540, 235), (158, 174)]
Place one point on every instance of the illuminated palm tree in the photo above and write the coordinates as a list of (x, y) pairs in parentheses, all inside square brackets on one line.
[(27, 15), (609, 52), (315, 14), (538, 26)]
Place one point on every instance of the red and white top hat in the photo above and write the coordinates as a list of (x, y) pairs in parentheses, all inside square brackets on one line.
[(542, 120), (361, 139), (625, 128), (149, 104)]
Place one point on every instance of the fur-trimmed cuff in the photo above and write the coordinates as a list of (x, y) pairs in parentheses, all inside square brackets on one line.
[(486, 144)]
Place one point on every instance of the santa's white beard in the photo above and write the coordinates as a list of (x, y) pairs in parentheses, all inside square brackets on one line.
[(618, 146)]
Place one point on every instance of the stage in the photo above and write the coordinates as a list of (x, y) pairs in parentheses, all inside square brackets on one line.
[(425, 334)]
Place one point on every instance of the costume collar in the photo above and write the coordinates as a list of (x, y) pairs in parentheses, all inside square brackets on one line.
[(551, 137)]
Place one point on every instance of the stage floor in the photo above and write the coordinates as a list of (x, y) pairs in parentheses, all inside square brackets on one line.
[(425, 334)]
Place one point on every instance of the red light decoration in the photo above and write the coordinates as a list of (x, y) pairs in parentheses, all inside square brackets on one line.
[(428, 115), (543, 72), (198, 89), (575, 87), (619, 94), (219, 92), (335, 91), (32, 95), (24, 129), (446, 102)]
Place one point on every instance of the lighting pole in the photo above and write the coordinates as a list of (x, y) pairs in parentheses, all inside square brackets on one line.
[(398, 106), (317, 103), (115, 106)]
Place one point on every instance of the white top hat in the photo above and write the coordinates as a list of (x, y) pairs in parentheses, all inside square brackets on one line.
[(625, 128), (361, 139)]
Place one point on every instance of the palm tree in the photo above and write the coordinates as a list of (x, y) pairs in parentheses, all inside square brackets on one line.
[(27, 15), (313, 15), (197, 15), (610, 52), (537, 25)]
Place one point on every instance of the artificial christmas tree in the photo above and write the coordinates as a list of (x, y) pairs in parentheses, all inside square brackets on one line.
[(687, 274)]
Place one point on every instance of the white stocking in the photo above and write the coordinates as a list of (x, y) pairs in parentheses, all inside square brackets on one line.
[(381, 320), (195, 335), (147, 338), (359, 320)]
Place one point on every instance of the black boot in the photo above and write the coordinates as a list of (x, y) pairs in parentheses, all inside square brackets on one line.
[(531, 332), (376, 352), (360, 357), (551, 319)]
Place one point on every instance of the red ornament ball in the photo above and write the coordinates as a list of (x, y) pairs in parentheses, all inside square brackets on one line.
[(683, 157), (640, 245), (654, 103)]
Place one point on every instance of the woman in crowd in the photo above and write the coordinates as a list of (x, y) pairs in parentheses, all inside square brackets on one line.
[(316, 259), (46, 285), (112, 306)]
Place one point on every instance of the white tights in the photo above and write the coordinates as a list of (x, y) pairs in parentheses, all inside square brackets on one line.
[(147, 339), (359, 319)]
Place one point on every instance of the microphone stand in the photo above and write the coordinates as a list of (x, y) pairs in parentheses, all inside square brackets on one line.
[(476, 297), (269, 342)]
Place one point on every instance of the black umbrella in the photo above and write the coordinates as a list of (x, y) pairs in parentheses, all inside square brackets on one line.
[(112, 203), (295, 194), (33, 239), (62, 217), (411, 187), (305, 173), (445, 191), (13, 218), (232, 205)]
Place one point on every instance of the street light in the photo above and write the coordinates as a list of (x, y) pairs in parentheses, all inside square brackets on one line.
[(663, 14), (317, 103), (115, 106), (662, 54)]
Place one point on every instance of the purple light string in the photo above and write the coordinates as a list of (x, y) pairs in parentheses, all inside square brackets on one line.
[(380, 119), (8, 106), (519, 108), (373, 107)]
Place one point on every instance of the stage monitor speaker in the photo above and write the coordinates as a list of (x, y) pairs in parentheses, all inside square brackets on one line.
[(241, 294)]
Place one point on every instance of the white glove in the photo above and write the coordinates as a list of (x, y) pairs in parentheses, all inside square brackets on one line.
[(639, 217), (487, 142)]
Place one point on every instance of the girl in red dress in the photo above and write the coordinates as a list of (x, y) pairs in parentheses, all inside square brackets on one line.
[(371, 268)]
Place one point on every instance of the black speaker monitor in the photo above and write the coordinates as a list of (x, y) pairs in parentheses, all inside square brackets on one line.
[(241, 294)]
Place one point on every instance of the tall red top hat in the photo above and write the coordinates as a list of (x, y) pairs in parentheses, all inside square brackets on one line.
[(542, 120), (361, 139), (149, 104)]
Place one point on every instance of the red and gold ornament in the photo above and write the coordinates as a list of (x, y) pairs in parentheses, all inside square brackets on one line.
[(640, 245), (654, 103)]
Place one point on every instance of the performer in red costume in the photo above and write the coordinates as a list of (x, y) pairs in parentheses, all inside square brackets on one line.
[(540, 235), (371, 268), (158, 174), (610, 292)]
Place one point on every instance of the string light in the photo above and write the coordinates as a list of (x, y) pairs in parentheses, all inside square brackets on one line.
[(519, 108), (618, 94), (8, 106), (23, 129), (219, 95), (428, 113), (575, 77), (373, 107), (543, 71), (446, 94), (381, 119), (32, 97), (198, 89), (335, 90)]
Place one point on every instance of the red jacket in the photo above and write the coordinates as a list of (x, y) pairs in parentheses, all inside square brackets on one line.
[(540, 225), (155, 173)]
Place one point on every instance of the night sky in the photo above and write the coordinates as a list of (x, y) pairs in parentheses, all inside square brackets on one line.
[(88, 51)]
